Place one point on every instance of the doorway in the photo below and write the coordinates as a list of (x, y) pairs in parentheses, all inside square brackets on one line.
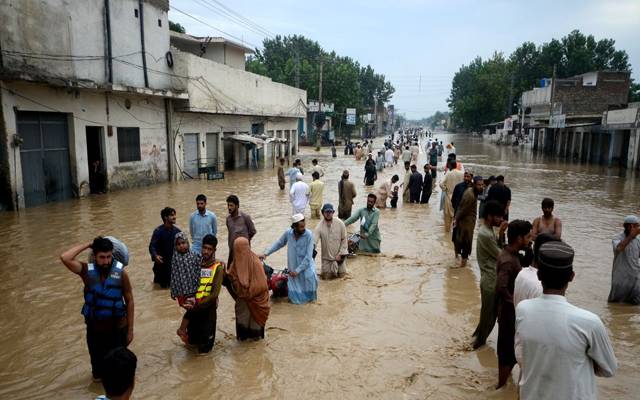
[(44, 155), (191, 155), (95, 160)]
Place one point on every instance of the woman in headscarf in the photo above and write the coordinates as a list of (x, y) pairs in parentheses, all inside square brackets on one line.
[(250, 283)]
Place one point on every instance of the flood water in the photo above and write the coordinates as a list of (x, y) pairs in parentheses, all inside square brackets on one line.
[(398, 326)]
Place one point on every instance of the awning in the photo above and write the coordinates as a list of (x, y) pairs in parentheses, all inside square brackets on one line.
[(246, 139)]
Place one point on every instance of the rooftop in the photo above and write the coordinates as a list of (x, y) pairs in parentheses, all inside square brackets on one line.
[(190, 39)]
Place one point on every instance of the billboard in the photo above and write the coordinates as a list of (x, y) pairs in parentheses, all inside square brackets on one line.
[(351, 116), (326, 107)]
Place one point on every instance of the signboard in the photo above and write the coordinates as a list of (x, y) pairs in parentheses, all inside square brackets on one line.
[(508, 124), (351, 116), (326, 107)]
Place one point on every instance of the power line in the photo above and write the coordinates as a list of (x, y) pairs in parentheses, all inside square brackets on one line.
[(269, 33), (239, 20), (212, 27)]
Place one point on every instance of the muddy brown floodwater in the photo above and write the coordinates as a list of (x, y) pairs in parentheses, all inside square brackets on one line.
[(396, 327)]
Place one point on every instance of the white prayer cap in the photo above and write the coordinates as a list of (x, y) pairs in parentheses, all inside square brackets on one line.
[(297, 218), (298, 176), (631, 219)]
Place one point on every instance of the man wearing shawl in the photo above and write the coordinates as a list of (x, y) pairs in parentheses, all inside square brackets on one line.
[(333, 235), (369, 232), (303, 281), (252, 292)]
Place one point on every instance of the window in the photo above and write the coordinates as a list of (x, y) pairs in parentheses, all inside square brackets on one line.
[(159, 22), (128, 144), (135, 12)]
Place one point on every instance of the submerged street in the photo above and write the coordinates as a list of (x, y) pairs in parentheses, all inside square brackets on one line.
[(398, 326)]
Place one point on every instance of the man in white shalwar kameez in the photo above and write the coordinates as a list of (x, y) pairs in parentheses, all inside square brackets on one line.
[(299, 195), (560, 348)]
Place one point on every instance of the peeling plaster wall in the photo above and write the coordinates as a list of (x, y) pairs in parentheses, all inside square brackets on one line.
[(91, 108), (75, 30), (227, 90)]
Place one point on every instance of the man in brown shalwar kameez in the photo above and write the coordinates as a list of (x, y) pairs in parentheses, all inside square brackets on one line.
[(346, 194), (508, 267), (465, 219)]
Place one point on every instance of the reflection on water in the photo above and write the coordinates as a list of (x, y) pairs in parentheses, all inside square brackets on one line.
[(397, 326)]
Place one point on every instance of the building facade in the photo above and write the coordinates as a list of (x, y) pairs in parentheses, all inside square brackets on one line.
[(232, 118), (84, 88), (564, 118), (93, 97)]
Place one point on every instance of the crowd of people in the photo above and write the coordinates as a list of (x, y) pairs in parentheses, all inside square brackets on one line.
[(525, 268)]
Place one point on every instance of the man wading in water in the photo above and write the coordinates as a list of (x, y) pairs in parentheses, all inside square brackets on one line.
[(162, 245), (108, 300), (369, 233), (547, 223)]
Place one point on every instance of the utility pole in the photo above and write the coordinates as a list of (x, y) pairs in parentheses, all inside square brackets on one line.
[(553, 85), (510, 105), (553, 90), (318, 123), (297, 69), (375, 115)]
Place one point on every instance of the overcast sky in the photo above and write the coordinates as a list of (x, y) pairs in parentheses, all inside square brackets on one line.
[(419, 45)]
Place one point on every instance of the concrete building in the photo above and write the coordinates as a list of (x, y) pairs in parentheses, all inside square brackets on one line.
[(564, 117), (623, 126), (93, 97), (232, 118), (81, 82)]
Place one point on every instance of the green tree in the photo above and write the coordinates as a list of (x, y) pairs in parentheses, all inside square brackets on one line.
[(479, 92), (295, 61), (573, 54), (634, 92), (176, 27)]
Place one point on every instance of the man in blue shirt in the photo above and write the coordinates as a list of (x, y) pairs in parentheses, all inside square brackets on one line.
[(201, 223)]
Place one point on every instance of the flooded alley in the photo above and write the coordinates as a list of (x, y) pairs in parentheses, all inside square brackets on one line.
[(397, 327)]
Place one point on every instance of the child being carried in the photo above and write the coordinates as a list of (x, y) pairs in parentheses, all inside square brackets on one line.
[(185, 278)]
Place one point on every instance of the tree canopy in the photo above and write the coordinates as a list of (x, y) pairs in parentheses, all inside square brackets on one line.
[(176, 27), (295, 61), (481, 91)]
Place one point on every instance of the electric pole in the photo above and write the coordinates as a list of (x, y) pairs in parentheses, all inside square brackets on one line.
[(319, 123), (297, 69), (375, 115), (510, 105)]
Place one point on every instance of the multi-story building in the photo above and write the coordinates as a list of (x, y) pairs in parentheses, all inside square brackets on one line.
[(564, 117), (240, 119), (88, 91)]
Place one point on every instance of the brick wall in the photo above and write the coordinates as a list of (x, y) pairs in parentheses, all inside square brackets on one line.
[(612, 89)]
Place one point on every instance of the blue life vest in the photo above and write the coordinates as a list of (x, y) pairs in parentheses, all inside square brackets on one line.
[(104, 300)]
